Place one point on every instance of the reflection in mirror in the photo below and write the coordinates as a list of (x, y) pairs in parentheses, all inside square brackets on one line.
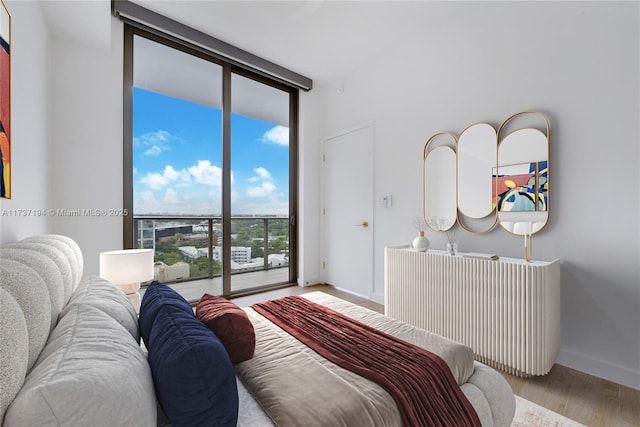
[(522, 187), (439, 185), (521, 181), (477, 159)]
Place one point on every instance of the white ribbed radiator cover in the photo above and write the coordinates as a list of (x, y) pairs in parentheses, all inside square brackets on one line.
[(507, 311)]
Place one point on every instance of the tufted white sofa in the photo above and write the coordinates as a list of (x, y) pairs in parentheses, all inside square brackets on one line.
[(70, 352)]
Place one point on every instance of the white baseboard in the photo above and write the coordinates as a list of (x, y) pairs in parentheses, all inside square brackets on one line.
[(375, 297), (598, 368), (348, 291)]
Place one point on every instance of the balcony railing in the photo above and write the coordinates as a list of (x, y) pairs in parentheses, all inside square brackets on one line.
[(190, 247)]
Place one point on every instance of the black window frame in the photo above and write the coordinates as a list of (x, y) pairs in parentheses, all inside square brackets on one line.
[(229, 68)]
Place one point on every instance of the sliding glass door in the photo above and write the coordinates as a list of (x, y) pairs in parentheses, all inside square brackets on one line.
[(209, 170), (260, 186)]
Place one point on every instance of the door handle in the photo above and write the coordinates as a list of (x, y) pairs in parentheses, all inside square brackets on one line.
[(364, 224)]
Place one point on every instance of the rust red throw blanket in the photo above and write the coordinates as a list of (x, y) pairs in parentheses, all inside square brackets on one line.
[(419, 381)]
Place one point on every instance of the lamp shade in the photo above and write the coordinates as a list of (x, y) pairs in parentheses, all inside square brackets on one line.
[(128, 266)]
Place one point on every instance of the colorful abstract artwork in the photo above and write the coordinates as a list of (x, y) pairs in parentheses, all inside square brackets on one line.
[(521, 188), (5, 102)]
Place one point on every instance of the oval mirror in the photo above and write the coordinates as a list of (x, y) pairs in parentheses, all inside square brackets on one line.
[(439, 191), (477, 147), (521, 181)]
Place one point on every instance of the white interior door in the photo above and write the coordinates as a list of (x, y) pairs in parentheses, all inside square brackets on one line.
[(347, 247)]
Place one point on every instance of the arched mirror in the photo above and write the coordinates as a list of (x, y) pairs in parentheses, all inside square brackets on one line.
[(521, 179), (477, 159), (439, 182)]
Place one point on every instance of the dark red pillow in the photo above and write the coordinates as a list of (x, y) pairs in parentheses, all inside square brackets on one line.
[(230, 324)]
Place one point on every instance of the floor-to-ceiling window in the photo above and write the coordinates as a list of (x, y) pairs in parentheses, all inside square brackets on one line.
[(210, 168)]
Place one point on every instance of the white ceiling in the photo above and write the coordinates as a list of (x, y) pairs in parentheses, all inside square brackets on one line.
[(155, 67), (81, 22), (322, 40)]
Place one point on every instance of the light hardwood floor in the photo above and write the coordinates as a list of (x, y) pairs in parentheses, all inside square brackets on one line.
[(589, 400)]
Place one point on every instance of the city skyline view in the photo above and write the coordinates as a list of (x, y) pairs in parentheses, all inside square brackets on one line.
[(177, 160)]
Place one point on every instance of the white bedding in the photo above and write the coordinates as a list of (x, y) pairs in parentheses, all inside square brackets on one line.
[(487, 391), (250, 413)]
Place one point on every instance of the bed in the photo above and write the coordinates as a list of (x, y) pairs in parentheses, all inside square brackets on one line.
[(486, 390), (286, 383)]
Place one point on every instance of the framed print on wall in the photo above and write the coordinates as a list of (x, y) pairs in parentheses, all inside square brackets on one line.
[(5, 102)]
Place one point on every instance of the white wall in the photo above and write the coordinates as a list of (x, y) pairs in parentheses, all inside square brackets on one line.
[(309, 272), (578, 63), (67, 133), (86, 134), (30, 136)]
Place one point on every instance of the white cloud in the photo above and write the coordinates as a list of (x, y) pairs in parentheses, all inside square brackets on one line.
[(157, 142), (264, 190), (148, 197), (206, 173), (261, 174), (156, 150), (277, 135), (154, 180), (267, 186), (170, 196), (157, 181), (170, 173), (277, 204), (195, 190)]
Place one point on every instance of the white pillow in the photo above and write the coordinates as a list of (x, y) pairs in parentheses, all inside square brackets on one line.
[(103, 295), (26, 286), (48, 271), (14, 351), (91, 373)]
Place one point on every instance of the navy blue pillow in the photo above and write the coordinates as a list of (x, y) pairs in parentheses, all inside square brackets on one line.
[(194, 379), (156, 296)]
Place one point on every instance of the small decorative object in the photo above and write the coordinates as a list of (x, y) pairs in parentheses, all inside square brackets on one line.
[(478, 255), (526, 229), (439, 224), (421, 243), (452, 248), (528, 248)]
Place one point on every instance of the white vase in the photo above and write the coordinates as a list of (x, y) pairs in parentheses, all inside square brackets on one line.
[(421, 243)]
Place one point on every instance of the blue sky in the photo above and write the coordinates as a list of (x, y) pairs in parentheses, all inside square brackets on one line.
[(177, 154)]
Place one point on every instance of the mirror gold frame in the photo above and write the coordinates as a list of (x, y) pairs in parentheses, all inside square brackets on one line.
[(477, 156), (439, 182), (512, 147), (521, 177)]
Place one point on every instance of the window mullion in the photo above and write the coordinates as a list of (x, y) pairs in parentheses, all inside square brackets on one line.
[(226, 180)]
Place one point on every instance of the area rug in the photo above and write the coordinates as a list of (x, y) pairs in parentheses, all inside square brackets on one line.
[(529, 414)]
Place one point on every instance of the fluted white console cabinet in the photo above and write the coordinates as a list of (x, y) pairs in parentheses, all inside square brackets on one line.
[(507, 311)]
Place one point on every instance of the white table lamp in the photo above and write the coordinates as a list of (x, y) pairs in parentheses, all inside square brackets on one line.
[(126, 269)]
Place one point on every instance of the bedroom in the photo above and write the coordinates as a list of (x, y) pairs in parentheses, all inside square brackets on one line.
[(577, 62)]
